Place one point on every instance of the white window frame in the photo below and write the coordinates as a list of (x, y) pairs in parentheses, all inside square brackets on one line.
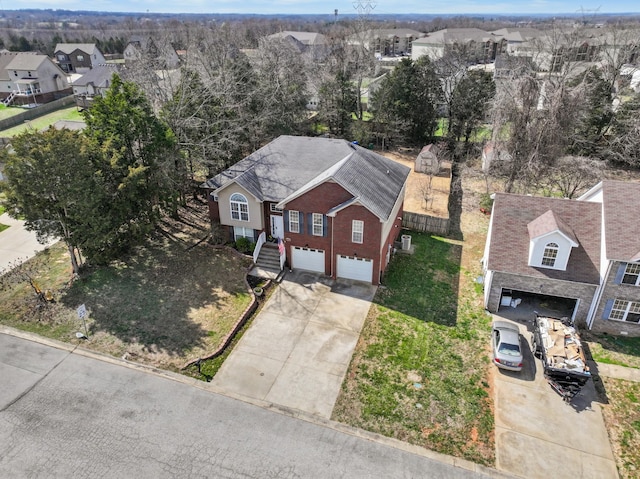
[(632, 269), (317, 220), (550, 253), (622, 308), (294, 221), (80, 58), (357, 231), (239, 207), (242, 232), (275, 209)]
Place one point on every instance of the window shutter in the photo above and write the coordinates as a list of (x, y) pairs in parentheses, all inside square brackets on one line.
[(324, 225), (620, 273), (285, 218), (607, 309), (310, 224), (300, 222)]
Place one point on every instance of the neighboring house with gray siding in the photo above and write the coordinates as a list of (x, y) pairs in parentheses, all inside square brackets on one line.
[(585, 252)]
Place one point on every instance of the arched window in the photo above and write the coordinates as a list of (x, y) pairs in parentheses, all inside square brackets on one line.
[(550, 254), (239, 207)]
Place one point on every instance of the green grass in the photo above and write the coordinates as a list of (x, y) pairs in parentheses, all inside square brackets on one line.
[(419, 372), (622, 417), (3, 227), (618, 350), (44, 121), (164, 306), (6, 112)]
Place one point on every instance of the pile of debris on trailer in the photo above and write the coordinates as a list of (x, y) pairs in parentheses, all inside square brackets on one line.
[(557, 343)]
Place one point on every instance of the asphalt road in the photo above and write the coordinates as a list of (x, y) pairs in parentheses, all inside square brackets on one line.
[(66, 414)]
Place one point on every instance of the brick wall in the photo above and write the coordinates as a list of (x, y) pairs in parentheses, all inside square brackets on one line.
[(551, 287), (615, 291)]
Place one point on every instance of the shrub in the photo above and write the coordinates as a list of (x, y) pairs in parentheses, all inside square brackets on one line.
[(244, 245)]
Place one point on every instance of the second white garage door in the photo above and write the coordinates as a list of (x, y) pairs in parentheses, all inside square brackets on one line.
[(360, 269), (308, 258)]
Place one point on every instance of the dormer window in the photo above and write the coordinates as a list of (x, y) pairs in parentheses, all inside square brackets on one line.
[(550, 255), (551, 242)]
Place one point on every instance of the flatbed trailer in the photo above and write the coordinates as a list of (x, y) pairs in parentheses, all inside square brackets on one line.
[(556, 342)]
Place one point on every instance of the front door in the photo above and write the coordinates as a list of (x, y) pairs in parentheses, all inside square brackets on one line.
[(277, 226)]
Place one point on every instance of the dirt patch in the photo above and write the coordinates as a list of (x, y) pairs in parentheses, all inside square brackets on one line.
[(418, 186)]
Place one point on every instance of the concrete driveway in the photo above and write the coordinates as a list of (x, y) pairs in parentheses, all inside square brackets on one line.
[(297, 351), (16, 243), (538, 435)]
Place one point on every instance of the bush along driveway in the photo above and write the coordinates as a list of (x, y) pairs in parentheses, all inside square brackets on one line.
[(419, 372)]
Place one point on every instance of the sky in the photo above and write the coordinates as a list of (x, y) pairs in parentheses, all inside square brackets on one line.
[(328, 6)]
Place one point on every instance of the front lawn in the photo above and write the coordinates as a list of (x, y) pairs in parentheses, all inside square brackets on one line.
[(622, 417), (419, 373), (165, 305), (619, 350)]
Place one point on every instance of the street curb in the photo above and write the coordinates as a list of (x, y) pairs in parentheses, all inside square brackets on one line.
[(293, 413)]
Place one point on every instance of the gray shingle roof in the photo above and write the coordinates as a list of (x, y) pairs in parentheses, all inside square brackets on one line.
[(284, 166), (26, 61), (509, 242), (99, 76), (68, 48), (621, 219)]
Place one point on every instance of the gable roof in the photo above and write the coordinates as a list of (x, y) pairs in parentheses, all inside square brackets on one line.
[(621, 203), (549, 222), (456, 35), (306, 38), (289, 166), (27, 61), (99, 76), (509, 241), (68, 48)]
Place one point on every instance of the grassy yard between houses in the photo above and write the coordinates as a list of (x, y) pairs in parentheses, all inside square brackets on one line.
[(419, 373), (163, 306), (44, 121), (622, 418), (6, 112), (618, 350)]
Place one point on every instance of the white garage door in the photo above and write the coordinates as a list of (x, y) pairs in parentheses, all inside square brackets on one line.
[(308, 258), (360, 269)]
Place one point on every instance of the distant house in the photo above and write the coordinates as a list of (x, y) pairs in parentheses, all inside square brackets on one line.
[(30, 78), (387, 42), (493, 154), (475, 44), (93, 83), (78, 57), (584, 252), (160, 52), (314, 45), (334, 207)]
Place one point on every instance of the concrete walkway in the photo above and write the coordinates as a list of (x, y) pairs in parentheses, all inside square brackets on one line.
[(16, 243), (616, 372), (298, 349), (540, 436)]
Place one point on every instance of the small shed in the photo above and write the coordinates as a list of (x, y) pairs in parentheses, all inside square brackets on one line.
[(428, 160)]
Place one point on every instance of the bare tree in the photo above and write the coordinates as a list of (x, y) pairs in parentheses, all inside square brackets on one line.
[(571, 175)]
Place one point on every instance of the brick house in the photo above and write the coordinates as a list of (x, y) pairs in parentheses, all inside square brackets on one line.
[(337, 207), (585, 252)]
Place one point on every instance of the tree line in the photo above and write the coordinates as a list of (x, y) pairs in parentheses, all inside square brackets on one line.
[(158, 132)]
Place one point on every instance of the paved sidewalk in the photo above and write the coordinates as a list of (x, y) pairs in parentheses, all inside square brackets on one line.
[(616, 372), (16, 243)]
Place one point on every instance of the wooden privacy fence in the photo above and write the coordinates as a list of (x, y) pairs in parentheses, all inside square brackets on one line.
[(36, 112), (425, 223)]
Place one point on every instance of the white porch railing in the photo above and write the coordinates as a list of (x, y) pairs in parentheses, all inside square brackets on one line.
[(262, 239), (283, 253)]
